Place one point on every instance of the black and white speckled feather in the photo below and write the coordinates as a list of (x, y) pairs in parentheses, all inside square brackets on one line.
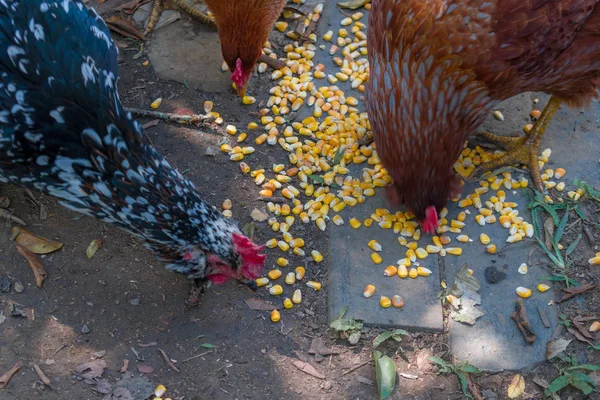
[(64, 132)]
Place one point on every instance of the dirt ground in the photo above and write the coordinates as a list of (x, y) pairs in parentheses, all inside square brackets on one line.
[(129, 303)]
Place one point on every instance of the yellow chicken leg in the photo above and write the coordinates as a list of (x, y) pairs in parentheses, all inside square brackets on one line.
[(522, 149), (159, 6)]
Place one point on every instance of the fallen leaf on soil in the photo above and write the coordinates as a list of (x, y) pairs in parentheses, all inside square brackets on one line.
[(582, 329), (144, 369), (125, 366), (258, 215), (555, 347), (151, 124), (103, 386), (93, 248), (91, 370), (385, 372), (574, 291), (120, 393), (465, 287), (516, 387), (4, 202), (549, 232), (522, 321), (353, 4), (260, 305), (99, 354), (4, 379), (123, 27), (392, 334), (408, 376), (308, 369), (578, 336), (35, 244), (318, 347), (39, 272)]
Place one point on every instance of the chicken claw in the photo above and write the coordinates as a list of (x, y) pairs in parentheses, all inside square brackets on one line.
[(522, 149), (159, 6), (199, 286)]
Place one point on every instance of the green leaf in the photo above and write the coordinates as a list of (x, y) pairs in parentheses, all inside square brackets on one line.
[(550, 255), (443, 365), (587, 367), (385, 372), (341, 324), (339, 154), (573, 245), (587, 189), (582, 382), (466, 367), (395, 334), (317, 179), (207, 346), (561, 227), (463, 384), (580, 213), (558, 384)]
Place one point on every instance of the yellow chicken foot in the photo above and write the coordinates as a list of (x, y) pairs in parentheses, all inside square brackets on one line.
[(159, 6), (522, 149)]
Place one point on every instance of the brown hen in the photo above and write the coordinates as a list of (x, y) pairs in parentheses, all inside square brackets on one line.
[(244, 26), (437, 68)]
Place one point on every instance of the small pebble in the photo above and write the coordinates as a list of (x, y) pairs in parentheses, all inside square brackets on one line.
[(4, 284), (19, 287), (135, 302), (210, 152), (85, 329)]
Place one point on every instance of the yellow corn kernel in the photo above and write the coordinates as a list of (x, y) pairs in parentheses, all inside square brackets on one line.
[(317, 256), (402, 271), (422, 271), (338, 220), (465, 203), (376, 258), (227, 213), (261, 281), (232, 130), (522, 269), (208, 106), (354, 223), (247, 100), (283, 246), (559, 173), (542, 287), (374, 245), (390, 271), (297, 296), (276, 290), (455, 251), (462, 216), (397, 301), (321, 224), (491, 248), (227, 204), (413, 273), (484, 239), (523, 292), (287, 303), (160, 390), (156, 103), (282, 262), (457, 224), (275, 316), (274, 274), (421, 253), (236, 157), (462, 238), (369, 290), (385, 302), (594, 260), (300, 271), (290, 278), (514, 238), (261, 139), (480, 219), (314, 285), (271, 243)]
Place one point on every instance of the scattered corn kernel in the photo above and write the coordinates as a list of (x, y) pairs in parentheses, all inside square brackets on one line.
[(369, 290), (376, 258), (275, 316), (397, 301), (455, 251), (484, 239), (276, 290), (261, 281), (287, 303), (422, 271), (317, 256), (354, 223), (523, 292), (491, 248), (413, 273), (290, 278), (542, 287), (274, 274), (390, 271), (385, 302), (523, 269), (595, 327), (282, 262), (374, 245), (314, 285), (297, 296), (156, 103), (594, 260)]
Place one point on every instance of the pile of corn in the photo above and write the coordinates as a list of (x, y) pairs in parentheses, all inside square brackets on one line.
[(326, 143)]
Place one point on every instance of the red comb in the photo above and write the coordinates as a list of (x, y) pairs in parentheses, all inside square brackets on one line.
[(237, 76), (253, 260), (431, 220)]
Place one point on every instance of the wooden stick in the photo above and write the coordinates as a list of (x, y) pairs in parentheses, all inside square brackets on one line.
[(271, 62), (41, 374), (170, 117), (196, 356), (168, 360), (356, 367)]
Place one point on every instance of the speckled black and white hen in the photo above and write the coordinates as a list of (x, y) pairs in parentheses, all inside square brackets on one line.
[(63, 131)]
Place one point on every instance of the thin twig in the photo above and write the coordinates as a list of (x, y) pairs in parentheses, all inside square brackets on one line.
[(196, 356), (271, 62), (59, 349), (168, 360), (7, 215), (356, 367), (41, 375), (473, 387), (170, 117)]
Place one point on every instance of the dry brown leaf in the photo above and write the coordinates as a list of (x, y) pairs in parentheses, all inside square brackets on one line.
[(35, 244), (308, 369), (123, 27), (516, 387), (555, 347), (39, 272), (93, 248), (260, 305)]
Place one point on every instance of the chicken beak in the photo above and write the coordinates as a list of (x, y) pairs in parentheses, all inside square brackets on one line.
[(242, 90), (250, 284)]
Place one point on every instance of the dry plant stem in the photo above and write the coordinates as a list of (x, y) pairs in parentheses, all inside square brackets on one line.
[(4, 379), (168, 360), (41, 374), (520, 318), (170, 117), (39, 272)]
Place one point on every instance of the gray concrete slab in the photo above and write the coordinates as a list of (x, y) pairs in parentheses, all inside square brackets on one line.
[(351, 270), (190, 53)]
